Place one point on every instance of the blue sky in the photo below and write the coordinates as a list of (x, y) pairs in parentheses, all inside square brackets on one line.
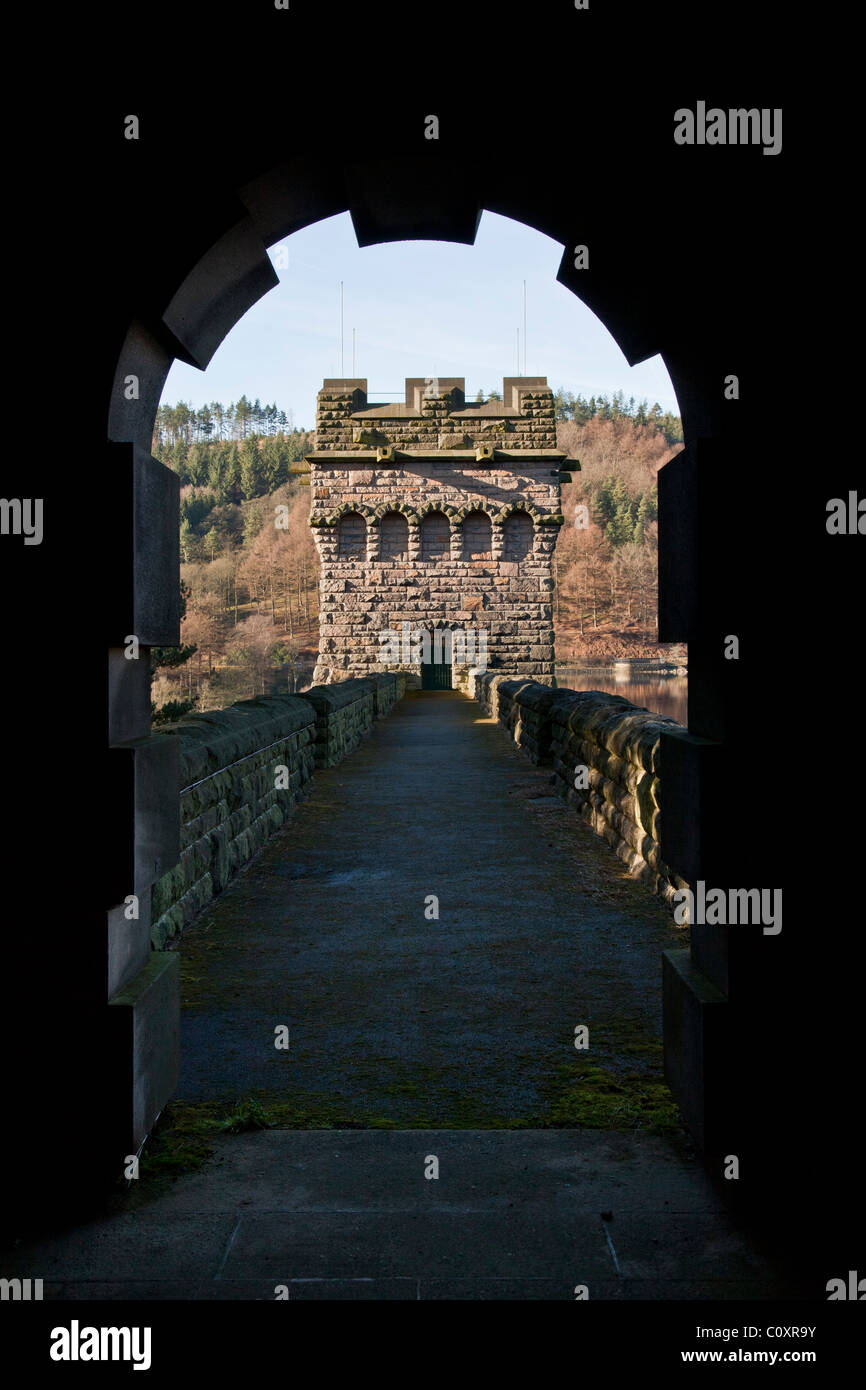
[(419, 308)]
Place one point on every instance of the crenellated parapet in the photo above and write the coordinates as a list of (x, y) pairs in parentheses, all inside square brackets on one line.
[(436, 417)]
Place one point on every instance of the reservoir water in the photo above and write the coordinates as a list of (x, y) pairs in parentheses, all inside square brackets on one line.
[(666, 695)]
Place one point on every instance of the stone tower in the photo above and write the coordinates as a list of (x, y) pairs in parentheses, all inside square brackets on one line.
[(434, 515)]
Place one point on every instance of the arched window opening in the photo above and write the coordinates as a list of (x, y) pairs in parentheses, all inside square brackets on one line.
[(352, 537), (517, 536), (435, 536), (394, 537), (477, 537)]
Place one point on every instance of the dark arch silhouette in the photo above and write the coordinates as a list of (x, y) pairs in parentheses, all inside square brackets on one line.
[(397, 196), (680, 284)]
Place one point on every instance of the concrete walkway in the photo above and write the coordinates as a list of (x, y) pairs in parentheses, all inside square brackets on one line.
[(415, 1037), (398, 1017), (350, 1215)]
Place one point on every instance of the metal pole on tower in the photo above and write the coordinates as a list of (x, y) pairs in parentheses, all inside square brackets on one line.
[(353, 353), (524, 328), (342, 360), (518, 352)]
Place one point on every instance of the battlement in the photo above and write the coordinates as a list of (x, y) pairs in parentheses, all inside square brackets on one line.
[(435, 415)]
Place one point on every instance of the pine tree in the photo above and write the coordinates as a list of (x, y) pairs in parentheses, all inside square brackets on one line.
[(252, 477), (197, 465), (177, 460), (233, 472), (242, 417), (605, 501), (620, 527), (642, 518), (216, 473), (187, 540), (252, 523), (275, 465)]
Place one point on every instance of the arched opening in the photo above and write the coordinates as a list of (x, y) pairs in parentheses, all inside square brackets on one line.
[(157, 288), (435, 534), (206, 305), (352, 537), (393, 537), (517, 537), (435, 537), (477, 537)]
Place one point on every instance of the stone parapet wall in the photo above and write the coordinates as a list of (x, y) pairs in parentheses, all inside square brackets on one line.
[(345, 712), (617, 742), (243, 770), (230, 804), (388, 690), (522, 706)]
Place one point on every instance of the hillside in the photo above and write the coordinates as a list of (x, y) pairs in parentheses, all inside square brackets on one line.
[(606, 593)]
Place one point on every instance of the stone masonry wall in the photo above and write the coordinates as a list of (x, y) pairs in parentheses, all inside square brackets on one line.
[(229, 804), (345, 712), (443, 420), (233, 796), (369, 585), (616, 741)]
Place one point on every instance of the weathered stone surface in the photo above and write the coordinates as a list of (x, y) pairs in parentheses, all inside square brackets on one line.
[(229, 800), (230, 804), (435, 535), (616, 742), (144, 1025)]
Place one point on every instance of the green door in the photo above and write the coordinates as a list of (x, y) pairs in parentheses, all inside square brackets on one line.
[(436, 675)]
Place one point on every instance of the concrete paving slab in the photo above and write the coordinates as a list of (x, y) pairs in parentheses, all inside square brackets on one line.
[(125, 1247), (510, 1210), (662, 1244), (316, 1290), (135, 1290), (502, 1244), (364, 1170)]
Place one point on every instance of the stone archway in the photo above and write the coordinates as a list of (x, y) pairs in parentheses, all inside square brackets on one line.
[(388, 200)]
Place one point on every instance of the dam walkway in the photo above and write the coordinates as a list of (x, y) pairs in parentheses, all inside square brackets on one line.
[(381, 1094)]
